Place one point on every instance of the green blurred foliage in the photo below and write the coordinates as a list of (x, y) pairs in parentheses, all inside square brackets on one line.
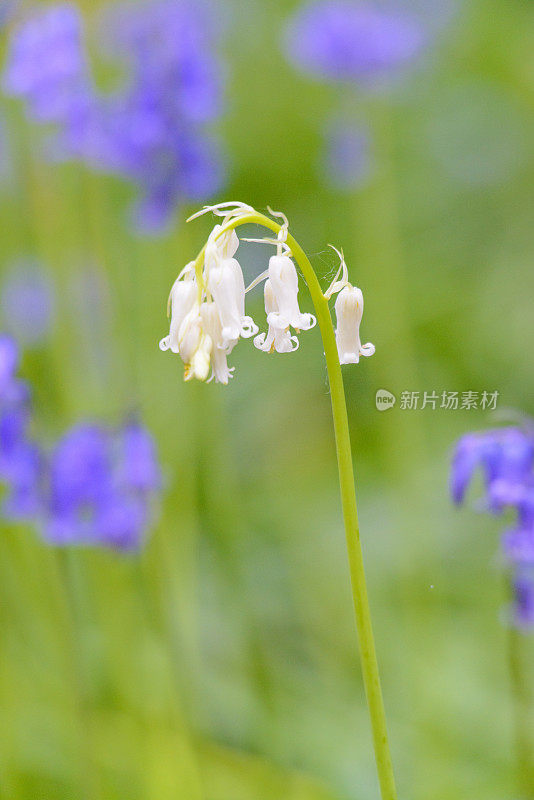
[(221, 664)]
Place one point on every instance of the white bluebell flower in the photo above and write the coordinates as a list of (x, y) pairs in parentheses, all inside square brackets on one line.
[(182, 298), (276, 339), (349, 312), (285, 285), (226, 284), (221, 372)]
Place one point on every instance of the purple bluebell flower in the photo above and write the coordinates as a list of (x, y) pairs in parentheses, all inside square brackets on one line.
[(14, 421), (343, 40), (121, 522), (46, 63), (169, 45), (20, 459), (506, 459), (9, 361), (505, 454), (97, 485), (517, 494), (14, 403), (139, 467), (518, 545), (153, 130), (27, 303), (95, 496), (24, 480), (347, 163)]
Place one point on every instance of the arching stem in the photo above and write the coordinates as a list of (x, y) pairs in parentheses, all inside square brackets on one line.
[(348, 500)]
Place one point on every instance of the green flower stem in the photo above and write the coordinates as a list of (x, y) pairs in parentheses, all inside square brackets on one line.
[(362, 611)]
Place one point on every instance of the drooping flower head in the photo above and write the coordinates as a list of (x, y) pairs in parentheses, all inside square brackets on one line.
[(207, 306), (505, 459), (207, 302)]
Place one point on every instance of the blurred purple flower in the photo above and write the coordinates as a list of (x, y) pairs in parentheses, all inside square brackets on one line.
[(9, 361), (96, 487), (95, 496), (171, 161), (153, 129), (139, 465), (518, 545), (27, 303), (351, 41), (46, 64), (24, 479), (347, 163), (169, 46), (14, 404), (506, 459), (505, 454), (20, 459)]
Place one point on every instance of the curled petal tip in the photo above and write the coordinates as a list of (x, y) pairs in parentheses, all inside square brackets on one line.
[(367, 349)]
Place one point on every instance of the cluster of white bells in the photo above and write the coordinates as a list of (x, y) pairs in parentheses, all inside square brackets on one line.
[(208, 310)]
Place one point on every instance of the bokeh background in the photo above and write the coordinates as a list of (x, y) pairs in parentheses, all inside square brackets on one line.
[(218, 661)]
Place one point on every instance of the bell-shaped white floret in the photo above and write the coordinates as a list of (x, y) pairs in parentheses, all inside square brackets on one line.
[(211, 324), (226, 284), (278, 339), (182, 298), (349, 312), (285, 286), (195, 346), (190, 334)]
